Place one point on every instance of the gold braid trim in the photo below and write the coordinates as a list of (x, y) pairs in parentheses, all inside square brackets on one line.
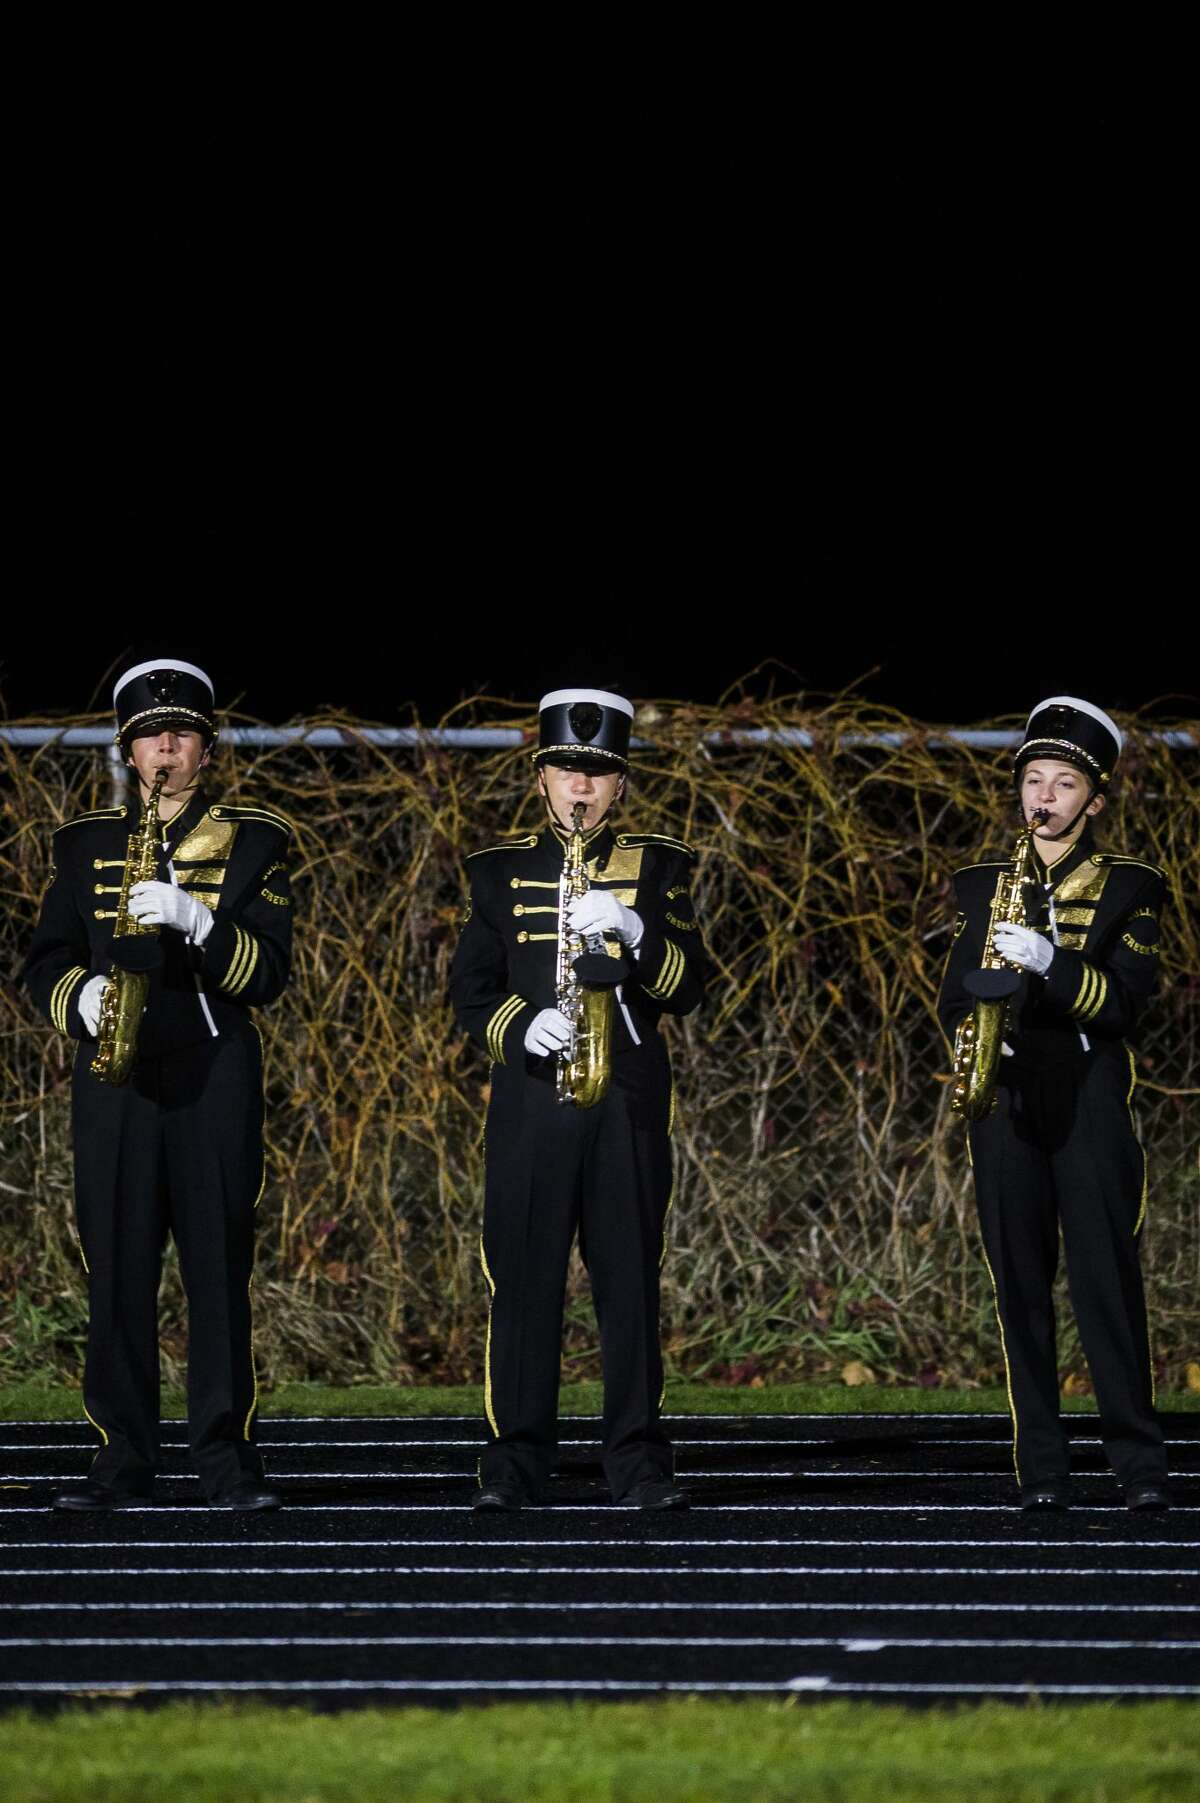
[(241, 967), (670, 976), (499, 1024), (60, 996)]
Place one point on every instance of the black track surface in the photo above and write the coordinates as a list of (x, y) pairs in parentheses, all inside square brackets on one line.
[(867, 1555)]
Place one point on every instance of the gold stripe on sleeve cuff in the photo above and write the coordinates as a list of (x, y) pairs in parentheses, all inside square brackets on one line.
[(251, 962), (499, 1024), (60, 996), (1099, 997), (671, 974), (1086, 991), (245, 957)]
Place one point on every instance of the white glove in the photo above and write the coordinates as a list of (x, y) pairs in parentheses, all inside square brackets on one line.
[(164, 905), (599, 911), (547, 1032), (91, 997), (1021, 945)]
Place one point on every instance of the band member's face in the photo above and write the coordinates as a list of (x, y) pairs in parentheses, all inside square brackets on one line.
[(565, 789), (176, 749), (1061, 790)]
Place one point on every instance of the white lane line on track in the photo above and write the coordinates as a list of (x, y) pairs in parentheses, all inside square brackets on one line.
[(475, 1445), (594, 1571), (799, 1475), (846, 1643), (605, 1686), (604, 1507), (491, 1607), (594, 1542), (177, 1422)]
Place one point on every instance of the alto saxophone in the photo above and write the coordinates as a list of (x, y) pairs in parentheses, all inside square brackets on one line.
[(979, 1040), (584, 982), (124, 1000)]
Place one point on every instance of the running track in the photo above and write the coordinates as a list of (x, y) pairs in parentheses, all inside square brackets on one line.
[(871, 1556)]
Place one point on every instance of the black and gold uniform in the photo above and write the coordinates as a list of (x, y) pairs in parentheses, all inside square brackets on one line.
[(554, 1169), (1060, 1148), (178, 1148)]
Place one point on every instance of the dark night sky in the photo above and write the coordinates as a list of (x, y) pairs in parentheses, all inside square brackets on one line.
[(379, 360)]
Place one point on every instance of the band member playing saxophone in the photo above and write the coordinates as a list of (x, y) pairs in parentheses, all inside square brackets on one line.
[(166, 920), (576, 940), (1053, 960)]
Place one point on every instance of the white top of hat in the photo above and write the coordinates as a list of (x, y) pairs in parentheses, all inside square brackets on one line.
[(602, 698), (1085, 707), (160, 663)]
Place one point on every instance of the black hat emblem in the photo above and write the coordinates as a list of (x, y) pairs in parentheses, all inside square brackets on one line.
[(586, 720), (162, 685)]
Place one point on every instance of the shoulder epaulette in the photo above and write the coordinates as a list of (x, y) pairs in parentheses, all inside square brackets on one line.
[(1116, 857), (526, 844), (223, 810), (96, 814), (636, 839)]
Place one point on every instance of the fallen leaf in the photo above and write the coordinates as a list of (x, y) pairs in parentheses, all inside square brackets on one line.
[(856, 1373), (1192, 1374)]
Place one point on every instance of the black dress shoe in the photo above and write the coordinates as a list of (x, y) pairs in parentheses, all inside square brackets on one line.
[(1147, 1499), (1046, 1498), (655, 1493), (247, 1493), (504, 1495), (92, 1496)]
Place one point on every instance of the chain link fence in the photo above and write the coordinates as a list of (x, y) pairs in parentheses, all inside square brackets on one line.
[(822, 1219)]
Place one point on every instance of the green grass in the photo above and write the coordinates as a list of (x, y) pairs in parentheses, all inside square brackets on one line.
[(675, 1751), (52, 1402)]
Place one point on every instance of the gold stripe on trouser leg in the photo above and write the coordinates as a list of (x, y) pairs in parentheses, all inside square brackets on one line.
[(487, 1345), (662, 1256), (1141, 1219), (1137, 1226), (95, 1423), (1012, 1407), (262, 1184)]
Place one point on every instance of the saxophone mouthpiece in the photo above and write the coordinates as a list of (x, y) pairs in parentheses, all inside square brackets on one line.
[(1040, 817)]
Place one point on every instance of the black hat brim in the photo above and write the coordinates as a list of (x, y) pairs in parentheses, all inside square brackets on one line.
[(587, 761)]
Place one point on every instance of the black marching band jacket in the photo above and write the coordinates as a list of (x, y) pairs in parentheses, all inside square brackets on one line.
[(234, 859), (505, 967), (1103, 911)]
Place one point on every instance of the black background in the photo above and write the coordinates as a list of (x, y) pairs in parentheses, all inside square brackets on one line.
[(373, 361)]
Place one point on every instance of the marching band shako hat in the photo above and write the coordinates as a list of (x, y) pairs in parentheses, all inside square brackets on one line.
[(584, 729), (163, 692), (1073, 732)]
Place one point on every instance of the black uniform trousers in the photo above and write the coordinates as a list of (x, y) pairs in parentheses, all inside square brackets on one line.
[(178, 1149), (1059, 1149), (552, 1170)]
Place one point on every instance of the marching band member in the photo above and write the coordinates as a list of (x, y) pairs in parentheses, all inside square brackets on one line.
[(167, 1100), (588, 1153), (1059, 1149)]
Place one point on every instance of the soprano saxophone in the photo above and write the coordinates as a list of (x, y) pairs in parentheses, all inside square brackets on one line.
[(979, 1040), (124, 1000), (585, 979)]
